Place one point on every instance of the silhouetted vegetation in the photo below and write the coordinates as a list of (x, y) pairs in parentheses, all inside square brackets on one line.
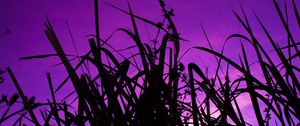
[(1, 78), (162, 91)]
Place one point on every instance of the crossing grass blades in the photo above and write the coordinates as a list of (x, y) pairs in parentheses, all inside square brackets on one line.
[(162, 91)]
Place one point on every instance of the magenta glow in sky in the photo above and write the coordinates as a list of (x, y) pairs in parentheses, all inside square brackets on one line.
[(25, 19)]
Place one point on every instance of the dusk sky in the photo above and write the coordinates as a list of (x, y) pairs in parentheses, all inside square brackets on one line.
[(25, 19)]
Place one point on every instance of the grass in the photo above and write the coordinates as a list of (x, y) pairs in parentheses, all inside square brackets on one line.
[(1, 78), (161, 92)]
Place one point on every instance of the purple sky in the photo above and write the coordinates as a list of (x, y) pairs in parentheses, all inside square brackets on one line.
[(25, 20)]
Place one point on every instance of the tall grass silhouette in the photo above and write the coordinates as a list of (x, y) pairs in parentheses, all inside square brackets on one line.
[(162, 92)]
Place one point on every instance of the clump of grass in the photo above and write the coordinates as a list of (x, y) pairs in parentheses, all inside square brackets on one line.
[(161, 92), (280, 83)]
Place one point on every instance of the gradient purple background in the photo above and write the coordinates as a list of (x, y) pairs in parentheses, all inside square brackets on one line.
[(25, 20)]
